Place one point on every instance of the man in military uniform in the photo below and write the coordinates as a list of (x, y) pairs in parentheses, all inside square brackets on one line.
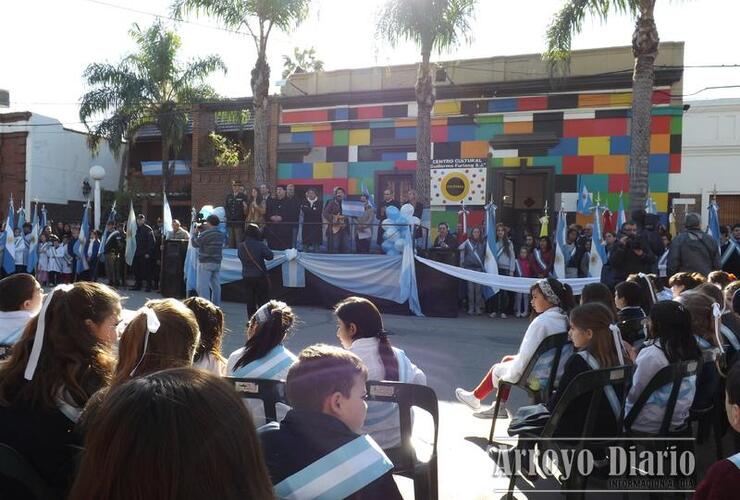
[(236, 206)]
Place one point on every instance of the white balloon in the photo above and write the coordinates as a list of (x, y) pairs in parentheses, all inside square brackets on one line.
[(386, 223), (400, 245), (415, 221), (407, 209), (391, 233)]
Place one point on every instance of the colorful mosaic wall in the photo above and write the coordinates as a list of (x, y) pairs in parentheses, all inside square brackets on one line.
[(345, 146)]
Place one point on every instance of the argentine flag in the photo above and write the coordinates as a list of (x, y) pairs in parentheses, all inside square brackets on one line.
[(490, 264), (191, 258), (598, 252), (9, 237), (166, 218), (104, 238), (79, 246), (584, 201), (560, 231), (713, 228), (33, 242), (131, 228), (621, 217)]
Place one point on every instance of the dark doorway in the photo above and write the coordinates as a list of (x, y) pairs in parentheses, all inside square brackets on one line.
[(521, 195), (398, 183)]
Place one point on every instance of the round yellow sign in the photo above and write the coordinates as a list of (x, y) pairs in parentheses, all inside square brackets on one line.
[(455, 186)]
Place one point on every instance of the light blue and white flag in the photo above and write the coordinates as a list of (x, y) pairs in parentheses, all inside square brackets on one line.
[(191, 257), (104, 238), (33, 243), (621, 216), (650, 206), (79, 246), (597, 258), (21, 217), (42, 221), (131, 228), (584, 200), (370, 198), (490, 265), (166, 217), (713, 228), (9, 237), (560, 258)]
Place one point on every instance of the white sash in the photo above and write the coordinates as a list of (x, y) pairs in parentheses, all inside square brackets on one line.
[(735, 459), (518, 268), (270, 366), (539, 259), (339, 474), (472, 249), (663, 264), (731, 248), (730, 336), (611, 394)]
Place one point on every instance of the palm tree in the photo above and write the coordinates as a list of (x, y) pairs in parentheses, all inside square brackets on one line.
[(149, 87), (302, 61), (568, 21), (259, 17), (432, 25)]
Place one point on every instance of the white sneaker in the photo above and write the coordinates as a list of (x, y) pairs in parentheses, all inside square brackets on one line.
[(503, 413), (493, 315), (467, 398), (503, 316)]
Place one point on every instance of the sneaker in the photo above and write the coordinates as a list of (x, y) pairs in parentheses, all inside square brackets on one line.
[(467, 398), (503, 413), (493, 315), (503, 316)]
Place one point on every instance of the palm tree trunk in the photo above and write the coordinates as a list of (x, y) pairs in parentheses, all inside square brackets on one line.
[(260, 89), (645, 49), (425, 97), (165, 163)]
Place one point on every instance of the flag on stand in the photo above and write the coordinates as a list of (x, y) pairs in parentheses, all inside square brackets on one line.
[(713, 228), (490, 265), (560, 231), (672, 230), (21, 218), (9, 237), (33, 242), (621, 217), (191, 257), (104, 238), (42, 221), (79, 246), (597, 258), (584, 201), (370, 198), (166, 218), (650, 206), (131, 236)]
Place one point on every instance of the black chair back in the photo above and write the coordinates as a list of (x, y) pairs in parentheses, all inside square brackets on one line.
[(672, 375), (407, 396), (14, 467), (270, 392)]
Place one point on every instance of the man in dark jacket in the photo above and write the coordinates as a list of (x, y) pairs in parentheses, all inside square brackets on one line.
[(629, 256), (693, 250), (145, 245), (112, 250), (209, 240), (253, 253), (279, 212), (729, 252), (236, 204)]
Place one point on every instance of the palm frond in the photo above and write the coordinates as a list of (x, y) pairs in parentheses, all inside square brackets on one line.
[(233, 14), (199, 69)]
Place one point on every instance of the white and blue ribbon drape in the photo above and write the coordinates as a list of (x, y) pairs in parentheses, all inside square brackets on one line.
[(338, 474), (713, 228), (490, 265), (560, 257), (597, 258)]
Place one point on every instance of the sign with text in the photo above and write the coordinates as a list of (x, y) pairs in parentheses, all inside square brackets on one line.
[(456, 186), (460, 163)]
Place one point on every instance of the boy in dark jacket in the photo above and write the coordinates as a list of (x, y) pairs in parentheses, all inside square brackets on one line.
[(306, 453)]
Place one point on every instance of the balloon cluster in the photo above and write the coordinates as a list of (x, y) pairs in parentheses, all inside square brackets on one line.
[(219, 212), (396, 228)]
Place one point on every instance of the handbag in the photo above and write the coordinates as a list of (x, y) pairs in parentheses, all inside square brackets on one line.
[(529, 419), (261, 268)]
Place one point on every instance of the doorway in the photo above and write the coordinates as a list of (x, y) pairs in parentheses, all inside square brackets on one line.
[(521, 196), (397, 183)]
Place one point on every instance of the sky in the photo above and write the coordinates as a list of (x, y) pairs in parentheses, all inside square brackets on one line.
[(46, 44)]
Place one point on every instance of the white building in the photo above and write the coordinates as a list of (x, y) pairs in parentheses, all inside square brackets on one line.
[(711, 159)]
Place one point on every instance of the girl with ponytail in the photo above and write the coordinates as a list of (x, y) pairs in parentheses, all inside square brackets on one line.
[(360, 330)]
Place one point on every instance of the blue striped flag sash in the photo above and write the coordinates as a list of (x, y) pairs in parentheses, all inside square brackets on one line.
[(609, 392), (269, 366), (735, 459), (339, 474)]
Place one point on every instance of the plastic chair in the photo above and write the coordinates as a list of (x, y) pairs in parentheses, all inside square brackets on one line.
[(270, 392), (591, 382), (15, 467), (538, 391), (406, 396), (5, 351)]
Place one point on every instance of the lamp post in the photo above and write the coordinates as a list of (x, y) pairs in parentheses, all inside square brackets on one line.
[(97, 173)]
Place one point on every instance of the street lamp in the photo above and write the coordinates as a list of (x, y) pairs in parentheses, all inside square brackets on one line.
[(97, 173)]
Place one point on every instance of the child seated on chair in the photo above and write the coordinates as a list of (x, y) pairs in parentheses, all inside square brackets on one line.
[(631, 318), (722, 480), (20, 300), (326, 388), (210, 320), (551, 301)]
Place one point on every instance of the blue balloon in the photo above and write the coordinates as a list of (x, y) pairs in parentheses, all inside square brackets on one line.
[(392, 213), (393, 252)]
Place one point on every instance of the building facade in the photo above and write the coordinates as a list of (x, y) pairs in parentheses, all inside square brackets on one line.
[(537, 140)]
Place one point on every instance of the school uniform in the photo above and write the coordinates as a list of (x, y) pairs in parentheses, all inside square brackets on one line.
[(273, 366), (542, 263), (42, 269), (92, 248), (382, 421), (313, 455), (722, 480), (472, 256), (524, 269), (12, 324), (21, 254), (505, 260), (64, 261), (211, 363), (650, 360)]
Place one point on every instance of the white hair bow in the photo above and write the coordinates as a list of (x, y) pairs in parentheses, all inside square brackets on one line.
[(152, 326)]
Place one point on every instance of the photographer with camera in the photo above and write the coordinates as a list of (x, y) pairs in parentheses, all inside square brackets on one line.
[(629, 255), (209, 240)]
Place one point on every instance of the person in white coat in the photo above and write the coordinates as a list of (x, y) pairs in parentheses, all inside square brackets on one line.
[(360, 331), (551, 301), (264, 355), (671, 340), (20, 300)]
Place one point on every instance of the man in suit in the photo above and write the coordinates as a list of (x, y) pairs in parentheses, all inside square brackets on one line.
[(279, 232), (92, 247), (145, 246), (387, 201)]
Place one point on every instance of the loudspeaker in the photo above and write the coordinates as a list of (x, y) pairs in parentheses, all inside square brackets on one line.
[(172, 283)]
